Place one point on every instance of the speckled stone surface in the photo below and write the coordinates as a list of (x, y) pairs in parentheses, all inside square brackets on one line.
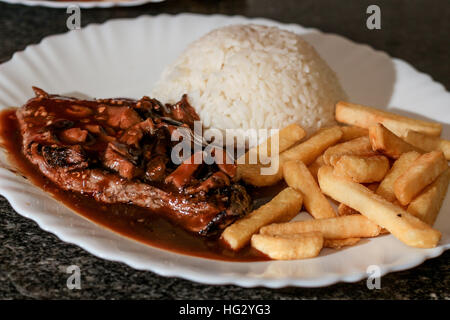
[(33, 262)]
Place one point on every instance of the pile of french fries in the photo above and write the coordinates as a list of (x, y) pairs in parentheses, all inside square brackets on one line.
[(388, 173)]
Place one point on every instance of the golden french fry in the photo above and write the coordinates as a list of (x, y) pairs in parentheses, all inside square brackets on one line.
[(353, 226), (309, 150), (251, 172), (339, 243), (428, 143), (306, 152), (426, 206), (352, 132), (283, 207), (344, 210), (314, 167), (397, 203), (423, 171), (386, 187), (362, 169), (289, 247), (403, 225), (388, 143), (365, 117), (360, 146), (285, 138), (297, 176)]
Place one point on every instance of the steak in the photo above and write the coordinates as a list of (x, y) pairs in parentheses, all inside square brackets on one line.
[(119, 151)]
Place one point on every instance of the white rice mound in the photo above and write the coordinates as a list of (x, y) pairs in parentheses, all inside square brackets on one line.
[(253, 77)]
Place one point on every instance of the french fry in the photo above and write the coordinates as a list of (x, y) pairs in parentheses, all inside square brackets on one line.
[(309, 150), (285, 138), (403, 225), (362, 169), (251, 172), (365, 117), (386, 187), (297, 176), (314, 167), (397, 203), (339, 243), (353, 226), (426, 206), (289, 247), (352, 132), (344, 210), (283, 207), (386, 142), (360, 146), (423, 171), (428, 143), (306, 152)]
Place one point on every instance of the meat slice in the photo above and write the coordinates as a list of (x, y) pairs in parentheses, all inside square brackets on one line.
[(74, 135), (119, 151), (67, 158), (183, 112), (118, 159), (120, 117), (196, 214), (79, 111), (216, 180), (156, 168), (135, 133), (224, 163), (183, 174)]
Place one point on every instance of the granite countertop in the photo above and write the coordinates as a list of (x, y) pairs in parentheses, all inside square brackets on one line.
[(33, 262)]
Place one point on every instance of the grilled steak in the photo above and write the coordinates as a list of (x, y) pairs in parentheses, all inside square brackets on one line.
[(119, 151)]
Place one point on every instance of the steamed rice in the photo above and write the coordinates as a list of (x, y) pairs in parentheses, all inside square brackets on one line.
[(253, 77)]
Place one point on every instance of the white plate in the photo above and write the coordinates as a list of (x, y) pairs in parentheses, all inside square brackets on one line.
[(125, 58), (81, 4)]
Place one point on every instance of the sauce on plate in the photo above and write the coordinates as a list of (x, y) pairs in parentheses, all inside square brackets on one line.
[(127, 220)]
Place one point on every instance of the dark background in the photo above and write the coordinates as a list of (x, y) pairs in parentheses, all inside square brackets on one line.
[(33, 262)]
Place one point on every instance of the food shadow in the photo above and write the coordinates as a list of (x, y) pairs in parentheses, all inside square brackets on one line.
[(329, 251)]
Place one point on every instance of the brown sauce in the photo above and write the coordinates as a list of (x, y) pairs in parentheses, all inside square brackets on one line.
[(130, 221)]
